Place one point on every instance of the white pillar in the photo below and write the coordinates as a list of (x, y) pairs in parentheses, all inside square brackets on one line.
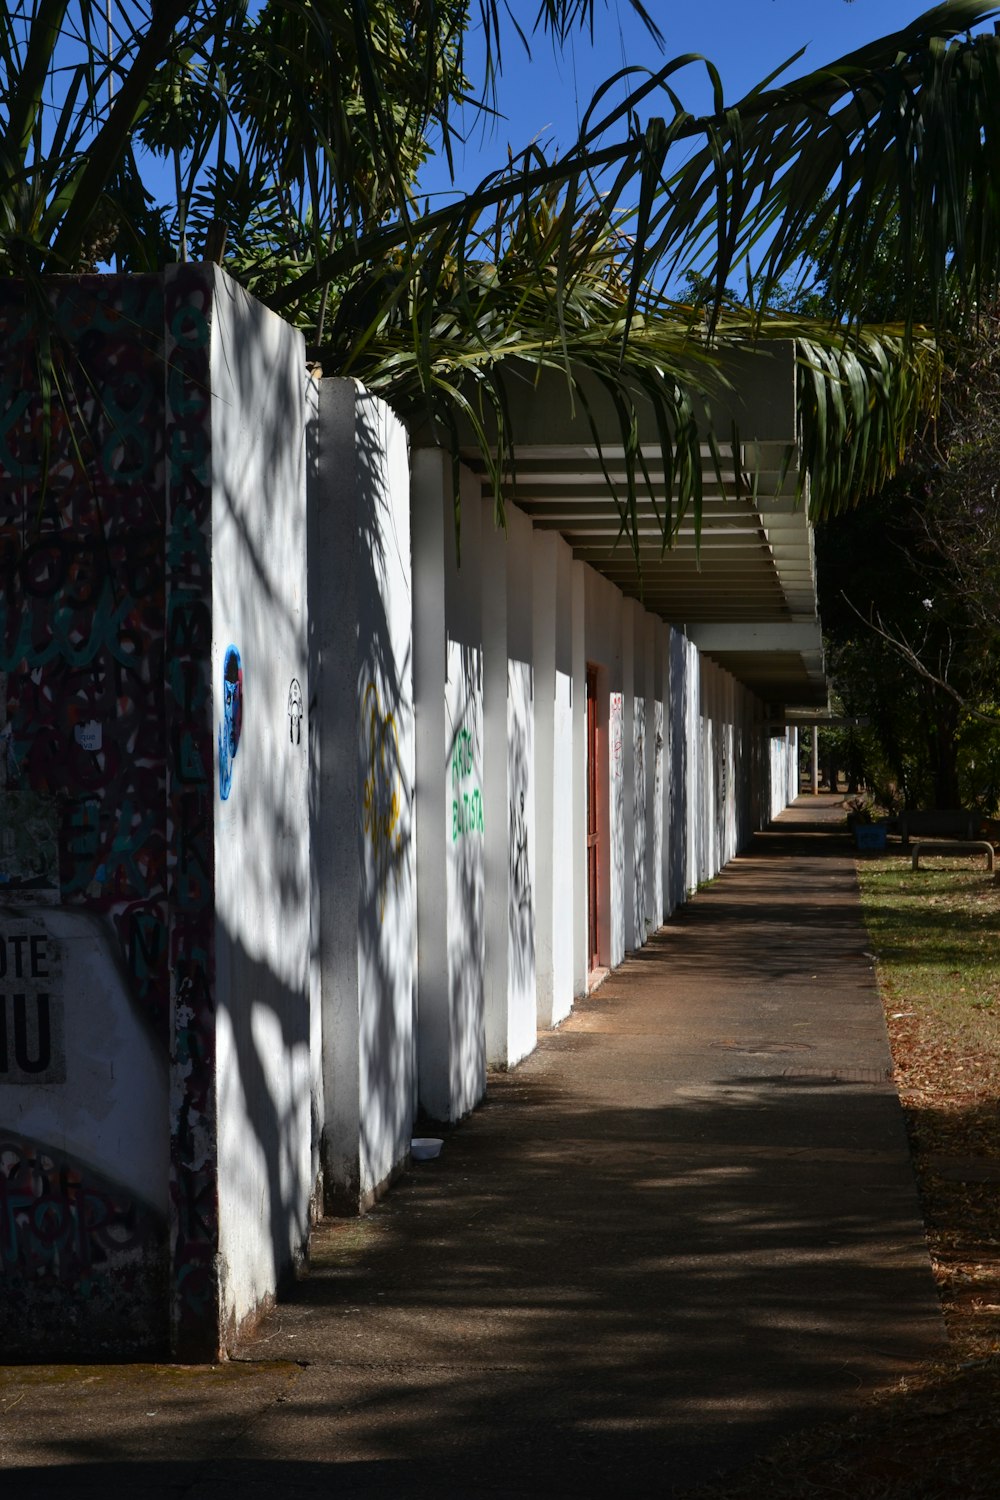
[(496, 793), (564, 791), (448, 691), (543, 597), (360, 608), (630, 611), (580, 894)]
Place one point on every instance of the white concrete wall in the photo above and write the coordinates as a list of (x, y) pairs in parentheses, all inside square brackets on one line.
[(552, 617), (578, 626), (262, 863), (679, 778), (501, 650), (361, 611), (448, 692), (566, 868), (522, 838), (603, 616), (662, 775), (783, 767), (695, 771), (509, 784)]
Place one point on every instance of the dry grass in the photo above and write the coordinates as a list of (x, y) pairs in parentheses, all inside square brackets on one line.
[(936, 935)]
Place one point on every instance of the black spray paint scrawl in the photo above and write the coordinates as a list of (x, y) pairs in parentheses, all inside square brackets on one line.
[(295, 713)]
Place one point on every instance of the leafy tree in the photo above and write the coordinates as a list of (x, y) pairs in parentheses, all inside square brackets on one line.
[(910, 591), (301, 127)]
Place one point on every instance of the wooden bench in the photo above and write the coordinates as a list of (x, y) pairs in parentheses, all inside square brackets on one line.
[(939, 823), (958, 849)]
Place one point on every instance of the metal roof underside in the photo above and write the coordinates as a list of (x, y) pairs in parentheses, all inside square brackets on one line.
[(743, 586)]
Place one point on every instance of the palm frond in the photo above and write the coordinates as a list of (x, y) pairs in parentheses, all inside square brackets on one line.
[(450, 347)]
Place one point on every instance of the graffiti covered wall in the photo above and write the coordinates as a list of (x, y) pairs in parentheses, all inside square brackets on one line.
[(117, 748), (84, 1018)]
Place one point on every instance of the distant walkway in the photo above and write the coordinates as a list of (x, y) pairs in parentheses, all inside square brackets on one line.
[(685, 1225)]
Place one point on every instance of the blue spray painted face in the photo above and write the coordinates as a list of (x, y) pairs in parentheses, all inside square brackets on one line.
[(232, 719)]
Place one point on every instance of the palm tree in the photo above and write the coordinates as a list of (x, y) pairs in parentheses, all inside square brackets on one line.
[(302, 127)]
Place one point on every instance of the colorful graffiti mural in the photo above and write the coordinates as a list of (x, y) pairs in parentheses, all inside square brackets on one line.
[(190, 863), (61, 1225), (83, 773), (232, 719), (381, 792)]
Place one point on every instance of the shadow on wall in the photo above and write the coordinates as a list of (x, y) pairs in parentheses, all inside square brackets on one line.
[(616, 731), (465, 879), (520, 890), (386, 850), (262, 861), (84, 1260), (639, 835), (265, 1111), (679, 769)]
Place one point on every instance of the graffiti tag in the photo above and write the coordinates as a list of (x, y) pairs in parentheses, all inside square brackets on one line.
[(381, 791), (466, 801)]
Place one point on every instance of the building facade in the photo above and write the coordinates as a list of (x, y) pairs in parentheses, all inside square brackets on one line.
[(312, 810)]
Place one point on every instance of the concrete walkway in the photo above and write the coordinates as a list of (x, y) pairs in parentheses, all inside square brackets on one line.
[(685, 1225)]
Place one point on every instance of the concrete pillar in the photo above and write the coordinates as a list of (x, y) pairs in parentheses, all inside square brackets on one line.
[(544, 593), (580, 897), (815, 760), (668, 898), (564, 792), (508, 758), (497, 794), (695, 769), (630, 611), (360, 591), (448, 694), (679, 816), (654, 778)]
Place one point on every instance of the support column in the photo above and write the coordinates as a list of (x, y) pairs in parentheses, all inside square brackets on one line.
[(448, 693), (543, 595)]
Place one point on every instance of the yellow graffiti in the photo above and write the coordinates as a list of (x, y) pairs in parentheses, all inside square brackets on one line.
[(381, 791)]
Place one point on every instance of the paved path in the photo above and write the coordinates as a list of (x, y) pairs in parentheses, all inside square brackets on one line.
[(685, 1225)]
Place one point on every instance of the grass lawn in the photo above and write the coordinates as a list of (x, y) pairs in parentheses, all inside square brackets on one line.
[(936, 937)]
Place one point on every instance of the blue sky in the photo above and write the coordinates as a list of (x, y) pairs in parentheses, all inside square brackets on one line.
[(544, 96)]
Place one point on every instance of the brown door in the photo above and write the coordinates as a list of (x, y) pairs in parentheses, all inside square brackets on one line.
[(592, 845)]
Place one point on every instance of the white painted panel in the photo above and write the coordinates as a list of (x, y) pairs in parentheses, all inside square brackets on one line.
[(522, 1019), (579, 687), (564, 788), (616, 773), (638, 813), (263, 1064), (694, 768), (431, 472), (465, 824), (657, 897), (384, 776)]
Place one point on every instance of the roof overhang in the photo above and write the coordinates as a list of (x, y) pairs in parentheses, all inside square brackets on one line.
[(742, 584)]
